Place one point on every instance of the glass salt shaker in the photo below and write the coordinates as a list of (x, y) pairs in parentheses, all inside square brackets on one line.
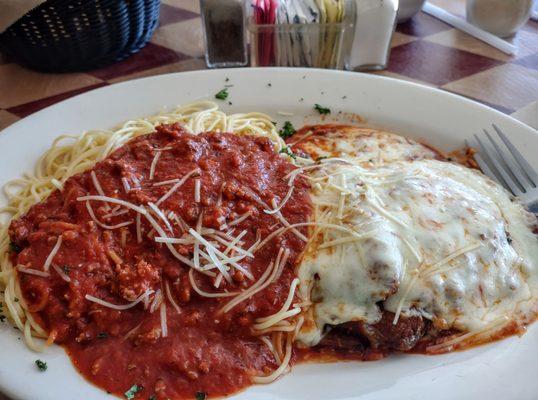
[(375, 21), (224, 33)]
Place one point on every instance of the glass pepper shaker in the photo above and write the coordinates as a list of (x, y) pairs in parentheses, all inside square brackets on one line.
[(224, 33)]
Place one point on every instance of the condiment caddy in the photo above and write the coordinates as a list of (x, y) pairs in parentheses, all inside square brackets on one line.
[(351, 34)]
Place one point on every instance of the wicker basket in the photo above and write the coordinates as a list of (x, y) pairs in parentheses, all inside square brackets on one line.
[(76, 35)]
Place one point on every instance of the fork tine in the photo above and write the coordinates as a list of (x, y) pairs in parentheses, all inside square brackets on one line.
[(509, 166), (484, 167), (499, 168), (525, 166)]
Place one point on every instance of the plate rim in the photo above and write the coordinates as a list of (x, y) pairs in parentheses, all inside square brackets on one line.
[(355, 75)]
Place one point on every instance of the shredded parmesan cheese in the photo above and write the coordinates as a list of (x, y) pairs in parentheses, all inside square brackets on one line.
[(170, 297), (31, 271), (104, 226), (204, 293), (115, 201), (96, 183), (164, 326), (178, 184), (161, 215), (52, 254), (197, 184), (61, 273), (116, 306), (284, 201), (126, 185), (240, 219), (154, 164)]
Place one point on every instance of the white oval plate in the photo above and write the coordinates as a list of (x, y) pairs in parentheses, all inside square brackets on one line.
[(503, 370)]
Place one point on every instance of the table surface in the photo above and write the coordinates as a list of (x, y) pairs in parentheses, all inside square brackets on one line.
[(424, 50)]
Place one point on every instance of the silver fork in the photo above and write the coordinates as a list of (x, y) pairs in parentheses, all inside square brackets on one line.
[(507, 166)]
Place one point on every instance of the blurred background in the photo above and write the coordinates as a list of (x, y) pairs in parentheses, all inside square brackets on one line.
[(485, 50)]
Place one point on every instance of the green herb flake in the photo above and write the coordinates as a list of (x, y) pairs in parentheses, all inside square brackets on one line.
[(130, 394), (41, 365), (227, 79), (152, 397), (287, 150), (322, 110), (321, 158), (200, 396), (222, 95), (269, 84), (66, 269), (287, 130), (102, 335), (16, 299), (14, 248)]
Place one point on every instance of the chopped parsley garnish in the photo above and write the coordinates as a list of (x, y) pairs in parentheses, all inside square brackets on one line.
[(152, 397), (2, 317), (222, 95), (269, 84), (16, 299), (41, 365), (287, 150), (66, 269), (14, 248), (102, 335), (200, 396), (287, 130), (130, 394), (227, 79), (321, 158), (322, 110)]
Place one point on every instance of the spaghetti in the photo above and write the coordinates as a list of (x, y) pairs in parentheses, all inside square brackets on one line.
[(72, 155)]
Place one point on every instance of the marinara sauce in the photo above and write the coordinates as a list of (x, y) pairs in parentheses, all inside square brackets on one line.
[(205, 351)]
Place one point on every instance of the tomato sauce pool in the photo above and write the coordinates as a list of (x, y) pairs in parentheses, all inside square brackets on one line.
[(113, 258)]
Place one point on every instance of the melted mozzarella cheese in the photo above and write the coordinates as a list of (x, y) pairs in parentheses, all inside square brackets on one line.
[(434, 239), (362, 145)]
